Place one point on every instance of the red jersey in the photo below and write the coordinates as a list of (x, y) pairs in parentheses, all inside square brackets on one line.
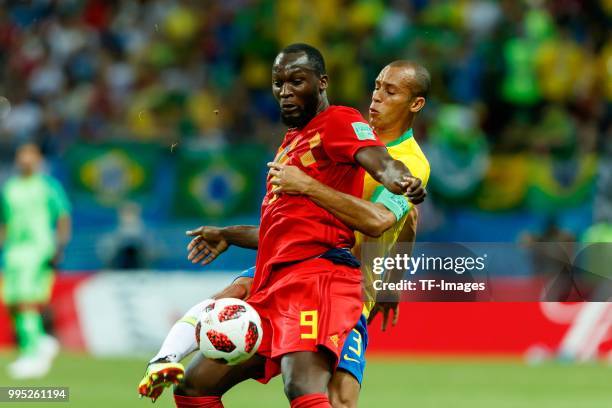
[(293, 227)]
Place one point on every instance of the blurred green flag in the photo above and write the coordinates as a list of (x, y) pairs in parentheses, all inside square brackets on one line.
[(558, 184), (112, 172), (220, 183)]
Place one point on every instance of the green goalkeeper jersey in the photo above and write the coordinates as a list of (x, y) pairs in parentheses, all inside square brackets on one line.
[(30, 208)]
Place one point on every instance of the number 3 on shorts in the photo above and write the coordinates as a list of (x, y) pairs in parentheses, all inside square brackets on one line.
[(308, 318)]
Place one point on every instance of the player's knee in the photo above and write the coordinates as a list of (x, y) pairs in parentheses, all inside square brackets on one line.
[(299, 383), (297, 387), (306, 373)]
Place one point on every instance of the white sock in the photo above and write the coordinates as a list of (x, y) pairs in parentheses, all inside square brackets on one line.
[(181, 341)]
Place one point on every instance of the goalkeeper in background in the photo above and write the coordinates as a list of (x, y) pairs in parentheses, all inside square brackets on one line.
[(34, 229)]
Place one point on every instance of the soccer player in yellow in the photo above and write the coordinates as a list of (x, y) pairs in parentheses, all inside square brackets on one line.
[(34, 227), (380, 219)]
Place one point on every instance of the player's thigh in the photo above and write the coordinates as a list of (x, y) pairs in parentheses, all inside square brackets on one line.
[(345, 384), (344, 390), (306, 372), (205, 377), (27, 276), (353, 355)]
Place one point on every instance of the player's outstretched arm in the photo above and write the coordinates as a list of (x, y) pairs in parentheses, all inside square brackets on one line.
[(388, 302), (210, 242), (364, 216), (391, 173)]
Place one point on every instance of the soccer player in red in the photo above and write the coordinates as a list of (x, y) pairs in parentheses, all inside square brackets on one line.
[(307, 288)]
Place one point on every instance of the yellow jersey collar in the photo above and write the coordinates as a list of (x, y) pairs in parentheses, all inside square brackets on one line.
[(407, 135)]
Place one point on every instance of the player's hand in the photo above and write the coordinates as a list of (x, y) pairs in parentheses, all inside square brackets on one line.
[(413, 189), (288, 179), (385, 308), (208, 243)]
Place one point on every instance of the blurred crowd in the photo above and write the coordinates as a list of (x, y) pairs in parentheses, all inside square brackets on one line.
[(508, 74)]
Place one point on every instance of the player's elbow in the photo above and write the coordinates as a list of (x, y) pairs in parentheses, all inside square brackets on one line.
[(374, 231), (380, 222)]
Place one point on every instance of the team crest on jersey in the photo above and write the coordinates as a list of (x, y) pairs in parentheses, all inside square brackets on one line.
[(334, 339), (363, 131)]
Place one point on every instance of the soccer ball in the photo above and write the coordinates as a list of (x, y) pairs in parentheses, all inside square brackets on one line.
[(229, 330)]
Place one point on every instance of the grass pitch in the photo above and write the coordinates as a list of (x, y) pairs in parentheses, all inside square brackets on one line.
[(396, 382)]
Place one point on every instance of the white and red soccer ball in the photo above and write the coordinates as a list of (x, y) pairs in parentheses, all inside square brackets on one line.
[(229, 330)]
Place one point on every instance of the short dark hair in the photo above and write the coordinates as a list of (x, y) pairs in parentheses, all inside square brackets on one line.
[(314, 56), (421, 81)]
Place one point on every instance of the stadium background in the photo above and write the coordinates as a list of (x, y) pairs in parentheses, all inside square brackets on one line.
[(157, 116)]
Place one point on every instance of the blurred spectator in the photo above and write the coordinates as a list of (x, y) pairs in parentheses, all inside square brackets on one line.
[(460, 151), (157, 70), (130, 246)]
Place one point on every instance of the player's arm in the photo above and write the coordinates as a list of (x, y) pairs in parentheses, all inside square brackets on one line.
[(210, 242), (63, 234), (2, 219), (389, 301), (349, 139), (64, 230), (391, 173), (404, 244), (60, 208), (364, 216)]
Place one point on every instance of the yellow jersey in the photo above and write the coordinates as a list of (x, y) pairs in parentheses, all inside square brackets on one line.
[(407, 150)]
